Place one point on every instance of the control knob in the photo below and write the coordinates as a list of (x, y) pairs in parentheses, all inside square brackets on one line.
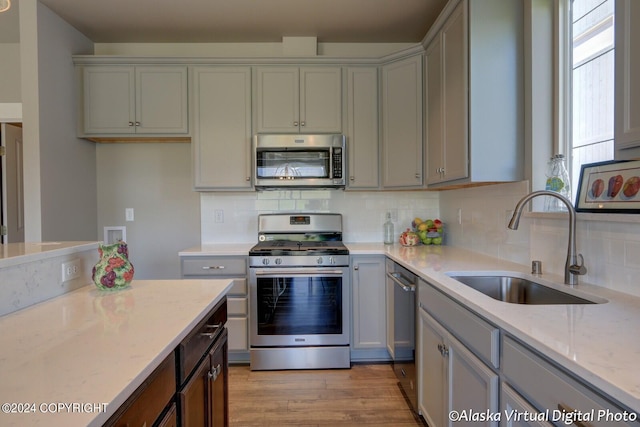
[(265, 261), (319, 260), (278, 261)]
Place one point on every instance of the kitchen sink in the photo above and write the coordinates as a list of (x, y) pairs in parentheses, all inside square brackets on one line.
[(518, 290)]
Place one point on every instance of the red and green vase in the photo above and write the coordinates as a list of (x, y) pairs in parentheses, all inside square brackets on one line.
[(114, 270)]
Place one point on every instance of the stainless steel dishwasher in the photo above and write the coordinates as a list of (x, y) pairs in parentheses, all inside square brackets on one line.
[(401, 330)]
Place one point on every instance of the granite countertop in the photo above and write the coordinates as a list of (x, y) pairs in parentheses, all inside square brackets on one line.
[(93, 348), (19, 253)]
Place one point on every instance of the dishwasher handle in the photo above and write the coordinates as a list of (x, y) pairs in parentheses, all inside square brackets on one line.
[(402, 281)]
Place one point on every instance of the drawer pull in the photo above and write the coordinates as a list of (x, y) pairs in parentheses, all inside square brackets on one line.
[(215, 372), (213, 267), (209, 335), (565, 408), (218, 326)]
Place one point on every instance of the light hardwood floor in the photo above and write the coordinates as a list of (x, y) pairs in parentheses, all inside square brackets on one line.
[(363, 395)]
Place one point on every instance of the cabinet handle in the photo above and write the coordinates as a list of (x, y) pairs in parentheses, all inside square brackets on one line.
[(130, 123), (209, 335), (295, 124), (213, 267), (417, 176), (137, 123), (215, 372), (248, 179), (302, 123), (352, 178), (444, 351), (564, 408), (218, 326), (356, 267)]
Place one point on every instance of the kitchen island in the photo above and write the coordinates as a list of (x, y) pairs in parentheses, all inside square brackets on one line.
[(75, 359)]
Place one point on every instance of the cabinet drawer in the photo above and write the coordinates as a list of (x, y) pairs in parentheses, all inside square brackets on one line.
[(150, 399), (477, 334), (238, 328), (237, 306), (239, 287), (194, 346), (214, 266), (549, 388)]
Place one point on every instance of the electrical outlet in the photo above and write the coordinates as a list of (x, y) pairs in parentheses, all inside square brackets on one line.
[(71, 269), (218, 215), (128, 214)]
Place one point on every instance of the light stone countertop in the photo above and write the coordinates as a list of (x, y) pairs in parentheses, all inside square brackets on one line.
[(597, 342), (20, 253), (92, 347)]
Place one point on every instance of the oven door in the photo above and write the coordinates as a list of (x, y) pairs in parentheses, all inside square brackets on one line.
[(294, 307)]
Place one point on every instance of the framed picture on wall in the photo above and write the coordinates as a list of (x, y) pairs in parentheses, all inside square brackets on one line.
[(609, 187)]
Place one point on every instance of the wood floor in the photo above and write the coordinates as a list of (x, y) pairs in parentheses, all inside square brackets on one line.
[(363, 395)]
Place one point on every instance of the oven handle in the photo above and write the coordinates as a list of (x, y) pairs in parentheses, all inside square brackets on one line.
[(298, 272), (399, 280)]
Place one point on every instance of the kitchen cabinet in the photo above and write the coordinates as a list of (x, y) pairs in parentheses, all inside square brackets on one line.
[(202, 366), (547, 388), (120, 100), (298, 100), (453, 347), (474, 95), (627, 86), (362, 128), (446, 102), (513, 403), (369, 320), (402, 119), (148, 402), (221, 123), (231, 267)]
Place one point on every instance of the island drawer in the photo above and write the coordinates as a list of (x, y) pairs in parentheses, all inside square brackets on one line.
[(476, 333), (548, 388), (198, 342), (150, 399), (214, 266)]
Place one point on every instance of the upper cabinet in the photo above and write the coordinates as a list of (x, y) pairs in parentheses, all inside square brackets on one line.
[(362, 127), (134, 100), (402, 123), (627, 85), (221, 123), (298, 100), (474, 114)]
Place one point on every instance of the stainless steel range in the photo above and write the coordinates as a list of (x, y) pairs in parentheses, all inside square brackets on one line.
[(299, 293)]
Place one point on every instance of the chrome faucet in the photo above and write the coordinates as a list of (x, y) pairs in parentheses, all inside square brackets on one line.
[(571, 267)]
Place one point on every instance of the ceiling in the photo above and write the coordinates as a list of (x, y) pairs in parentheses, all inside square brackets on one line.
[(162, 21)]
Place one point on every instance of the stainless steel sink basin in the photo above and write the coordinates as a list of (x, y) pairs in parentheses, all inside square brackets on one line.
[(517, 290)]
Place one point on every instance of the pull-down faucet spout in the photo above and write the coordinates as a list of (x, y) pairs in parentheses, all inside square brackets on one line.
[(571, 267)]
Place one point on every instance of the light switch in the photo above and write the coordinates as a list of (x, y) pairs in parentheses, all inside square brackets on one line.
[(128, 214)]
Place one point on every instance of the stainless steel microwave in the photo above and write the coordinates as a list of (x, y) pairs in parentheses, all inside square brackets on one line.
[(299, 161)]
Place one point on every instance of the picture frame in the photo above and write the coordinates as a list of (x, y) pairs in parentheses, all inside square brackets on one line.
[(609, 187)]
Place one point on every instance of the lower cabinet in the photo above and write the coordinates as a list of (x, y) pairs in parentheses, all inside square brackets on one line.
[(231, 267), (561, 398), (455, 385), (369, 318), (204, 398), (202, 372), (148, 403)]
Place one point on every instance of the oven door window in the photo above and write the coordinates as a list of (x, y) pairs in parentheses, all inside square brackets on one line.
[(299, 305), (293, 164)]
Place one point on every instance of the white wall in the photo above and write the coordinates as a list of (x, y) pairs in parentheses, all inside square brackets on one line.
[(363, 212), (60, 178), (155, 180), (10, 72), (609, 243)]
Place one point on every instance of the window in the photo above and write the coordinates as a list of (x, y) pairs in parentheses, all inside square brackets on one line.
[(592, 84)]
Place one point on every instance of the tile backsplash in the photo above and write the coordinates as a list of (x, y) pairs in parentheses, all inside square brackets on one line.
[(610, 244), (475, 218), (363, 213)]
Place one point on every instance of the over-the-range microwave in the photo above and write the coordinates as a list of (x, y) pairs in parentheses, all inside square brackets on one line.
[(299, 161)]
